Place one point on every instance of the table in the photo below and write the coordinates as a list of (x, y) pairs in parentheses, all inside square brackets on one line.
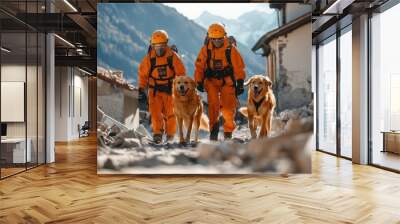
[(391, 141), (13, 150)]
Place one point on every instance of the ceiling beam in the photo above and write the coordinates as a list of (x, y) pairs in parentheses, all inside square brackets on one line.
[(78, 61), (49, 22), (83, 23)]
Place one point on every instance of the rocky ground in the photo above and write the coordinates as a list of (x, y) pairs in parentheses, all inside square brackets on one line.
[(287, 150)]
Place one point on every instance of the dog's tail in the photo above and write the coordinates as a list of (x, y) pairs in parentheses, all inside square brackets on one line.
[(204, 123), (244, 111)]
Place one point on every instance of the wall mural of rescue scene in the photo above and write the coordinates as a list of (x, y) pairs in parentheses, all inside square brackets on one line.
[(204, 88)]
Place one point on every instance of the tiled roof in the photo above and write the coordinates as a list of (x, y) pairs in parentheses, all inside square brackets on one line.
[(114, 77)]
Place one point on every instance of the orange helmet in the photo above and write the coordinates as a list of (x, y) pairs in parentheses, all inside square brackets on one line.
[(159, 36), (216, 30)]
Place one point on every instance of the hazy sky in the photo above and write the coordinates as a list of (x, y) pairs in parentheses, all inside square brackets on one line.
[(226, 10)]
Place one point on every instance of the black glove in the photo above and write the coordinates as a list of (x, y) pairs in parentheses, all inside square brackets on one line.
[(239, 87), (200, 87), (142, 100)]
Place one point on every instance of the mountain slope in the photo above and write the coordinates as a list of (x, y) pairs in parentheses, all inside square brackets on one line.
[(124, 31), (247, 28)]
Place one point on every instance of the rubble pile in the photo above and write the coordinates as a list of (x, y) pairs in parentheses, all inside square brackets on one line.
[(283, 121), (116, 77), (285, 151)]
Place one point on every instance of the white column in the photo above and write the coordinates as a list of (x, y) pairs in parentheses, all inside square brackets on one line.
[(314, 91), (50, 92), (360, 90), (50, 100)]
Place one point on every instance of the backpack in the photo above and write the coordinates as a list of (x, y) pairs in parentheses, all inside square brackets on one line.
[(165, 87), (227, 71), (232, 42)]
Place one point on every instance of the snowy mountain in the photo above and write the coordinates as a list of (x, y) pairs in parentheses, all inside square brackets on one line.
[(247, 28), (124, 31)]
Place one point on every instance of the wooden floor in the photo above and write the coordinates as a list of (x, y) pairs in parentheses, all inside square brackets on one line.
[(387, 159), (70, 191), (10, 171)]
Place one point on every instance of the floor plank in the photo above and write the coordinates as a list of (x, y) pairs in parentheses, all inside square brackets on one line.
[(70, 191)]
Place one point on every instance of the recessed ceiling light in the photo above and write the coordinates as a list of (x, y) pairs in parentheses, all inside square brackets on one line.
[(64, 40), (70, 5), (5, 50), (86, 72), (337, 7)]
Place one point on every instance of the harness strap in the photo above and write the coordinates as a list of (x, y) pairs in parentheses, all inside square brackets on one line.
[(228, 71), (166, 88), (228, 58), (208, 58), (228, 55), (163, 87), (258, 104), (153, 65)]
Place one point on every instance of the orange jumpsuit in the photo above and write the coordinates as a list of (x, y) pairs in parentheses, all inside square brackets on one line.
[(160, 102), (220, 92)]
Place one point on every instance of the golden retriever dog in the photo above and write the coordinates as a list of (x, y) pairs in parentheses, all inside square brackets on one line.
[(260, 105), (188, 108)]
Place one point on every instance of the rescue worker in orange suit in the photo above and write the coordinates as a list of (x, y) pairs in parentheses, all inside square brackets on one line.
[(219, 70), (156, 73)]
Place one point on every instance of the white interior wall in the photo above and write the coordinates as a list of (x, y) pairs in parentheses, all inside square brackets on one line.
[(14, 73), (61, 103), (70, 81), (33, 126), (79, 117)]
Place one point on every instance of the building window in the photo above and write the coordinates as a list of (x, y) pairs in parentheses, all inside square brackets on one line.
[(327, 95), (346, 92), (385, 89)]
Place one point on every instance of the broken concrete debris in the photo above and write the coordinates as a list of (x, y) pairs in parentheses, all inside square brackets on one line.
[(287, 150)]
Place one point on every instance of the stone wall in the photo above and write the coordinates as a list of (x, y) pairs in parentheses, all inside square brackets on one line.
[(292, 85)]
